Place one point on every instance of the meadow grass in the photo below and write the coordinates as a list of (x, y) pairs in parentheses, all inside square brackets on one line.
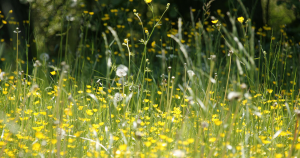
[(197, 90)]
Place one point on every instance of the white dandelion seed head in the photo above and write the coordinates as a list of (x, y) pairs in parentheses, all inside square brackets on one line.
[(212, 80), (243, 86), (37, 63), (118, 97), (44, 57), (234, 95), (178, 153), (2, 74), (121, 71), (109, 62), (190, 73), (61, 133)]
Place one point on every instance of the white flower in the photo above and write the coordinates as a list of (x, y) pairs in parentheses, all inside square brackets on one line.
[(61, 133), (118, 97), (212, 80), (2, 74), (190, 73), (109, 62), (37, 63), (234, 95), (178, 153), (243, 86), (121, 71), (44, 57)]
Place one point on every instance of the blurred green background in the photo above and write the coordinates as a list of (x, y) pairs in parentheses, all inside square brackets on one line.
[(60, 27)]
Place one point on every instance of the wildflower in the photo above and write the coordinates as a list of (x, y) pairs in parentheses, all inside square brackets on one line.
[(39, 135), (34, 88), (218, 122), (211, 140), (61, 133), (53, 73), (178, 153), (212, 80), (243, 86), (234, 95), (297, 112), (204, 124), (147, 144), (190, 73), (148, 1), (139, 134), (37, 63), (123, 147), (68, 112), (44, 57), (266, 141), (214, 21), (89, 112), (36, 147), (241, 19), (2, 74), (70, 18), (153, 44), (121, 71), (230, 52), (117, 98), (109, 62), (212, 57), (17, 30), (270, 90), (169, 68)]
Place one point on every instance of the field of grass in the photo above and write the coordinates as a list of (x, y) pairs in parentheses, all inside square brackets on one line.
[(206, 89)]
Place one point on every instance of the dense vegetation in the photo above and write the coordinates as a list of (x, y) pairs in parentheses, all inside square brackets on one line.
[(214, 86)]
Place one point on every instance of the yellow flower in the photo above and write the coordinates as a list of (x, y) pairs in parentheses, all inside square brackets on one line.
[(39, 135), (218, 122), (240, 19), (153, 44), (213, 139), (68, 112), (270, 90), (279, 145), (147, 144), (36, 147), (53, 73), (278, 155), (214, 21), (266, 141), (148, 1), (298, 146), (123, 147), (89, 112)]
